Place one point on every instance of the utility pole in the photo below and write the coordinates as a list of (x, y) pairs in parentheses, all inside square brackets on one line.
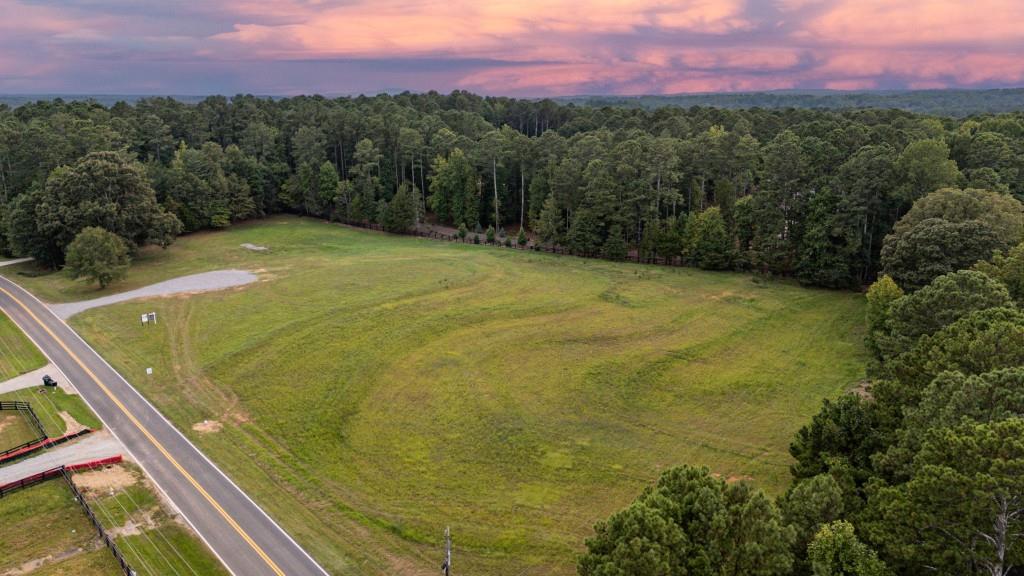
[(446, 568)]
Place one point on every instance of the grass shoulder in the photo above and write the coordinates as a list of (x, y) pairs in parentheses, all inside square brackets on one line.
[(17, 354)]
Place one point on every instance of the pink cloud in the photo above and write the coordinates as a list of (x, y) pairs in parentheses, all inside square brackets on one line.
[(916, 23), (851, 84), (537, 47), (515, 30)]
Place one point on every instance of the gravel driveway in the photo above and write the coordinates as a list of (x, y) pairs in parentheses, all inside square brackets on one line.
[(95, 446), (205, 282)]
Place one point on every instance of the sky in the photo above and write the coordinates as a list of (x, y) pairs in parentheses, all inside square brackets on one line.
[(506, 47)]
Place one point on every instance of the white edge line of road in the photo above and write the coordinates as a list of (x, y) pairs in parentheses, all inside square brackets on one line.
[(173, 427), (167, 498)]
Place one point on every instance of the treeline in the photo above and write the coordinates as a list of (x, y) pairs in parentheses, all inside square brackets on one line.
[(802, 193), (952, 102), (920, 472)]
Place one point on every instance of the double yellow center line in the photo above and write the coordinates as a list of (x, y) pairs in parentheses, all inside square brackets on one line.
[(227, 517)]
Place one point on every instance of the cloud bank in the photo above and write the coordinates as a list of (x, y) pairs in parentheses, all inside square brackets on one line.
[(521, 47)]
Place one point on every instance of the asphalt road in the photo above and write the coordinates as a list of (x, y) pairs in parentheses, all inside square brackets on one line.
[(245, 539)]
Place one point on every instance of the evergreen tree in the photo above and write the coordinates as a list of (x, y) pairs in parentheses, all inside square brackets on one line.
[(691, 523), (401, 211), (708, 243), (614, 247), (584, 235), (836, 551), (551, 226)]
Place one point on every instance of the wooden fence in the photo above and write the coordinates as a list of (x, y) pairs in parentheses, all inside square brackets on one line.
[(65, 472), (536, 247), (24, 408)]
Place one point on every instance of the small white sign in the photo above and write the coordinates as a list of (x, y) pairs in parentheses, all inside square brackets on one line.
[(149, 371), (145, 318)]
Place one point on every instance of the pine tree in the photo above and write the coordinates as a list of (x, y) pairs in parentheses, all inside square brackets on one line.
[(614, 247)]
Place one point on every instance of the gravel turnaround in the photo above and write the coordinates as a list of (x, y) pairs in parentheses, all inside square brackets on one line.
[(205, 282)]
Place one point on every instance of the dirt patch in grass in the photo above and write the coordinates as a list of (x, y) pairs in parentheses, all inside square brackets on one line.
[(32, 565), (105, 479), (140, 522), (6, 421), (207, 426), (255, 247), (72, 424)]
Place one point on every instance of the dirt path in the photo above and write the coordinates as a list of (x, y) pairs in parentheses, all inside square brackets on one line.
[(205, 282)]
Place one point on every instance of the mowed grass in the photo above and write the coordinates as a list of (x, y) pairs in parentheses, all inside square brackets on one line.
[(49, 403), (15, 429), (371, 390), (45, 523), (17, 354)]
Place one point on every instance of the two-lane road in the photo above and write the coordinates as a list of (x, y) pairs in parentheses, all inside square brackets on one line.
[(246, 540)]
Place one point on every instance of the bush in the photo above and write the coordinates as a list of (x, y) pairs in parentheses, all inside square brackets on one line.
[(476, 238), (490, 234)]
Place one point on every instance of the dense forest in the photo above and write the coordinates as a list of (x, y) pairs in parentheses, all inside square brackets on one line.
[(804, 193), (921, 470)]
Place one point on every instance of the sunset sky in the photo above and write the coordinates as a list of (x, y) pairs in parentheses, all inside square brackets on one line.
[(512, 47)]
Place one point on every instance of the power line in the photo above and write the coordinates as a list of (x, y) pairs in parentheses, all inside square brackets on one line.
[(143, 533), (54, 417), (125, 541)]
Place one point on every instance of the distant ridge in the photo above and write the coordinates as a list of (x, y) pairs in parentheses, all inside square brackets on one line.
[(947, 102), (952, 102), (15, 100)]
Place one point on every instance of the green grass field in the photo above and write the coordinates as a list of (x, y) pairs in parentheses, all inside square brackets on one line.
[(45, 532), (17, 354), (43, 521), (48, 404), (15, 429), (371, 390)]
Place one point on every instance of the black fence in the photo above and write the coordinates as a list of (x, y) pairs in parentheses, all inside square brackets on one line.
[(107, 540), (24, 408), (64, 472), (513, 244)]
